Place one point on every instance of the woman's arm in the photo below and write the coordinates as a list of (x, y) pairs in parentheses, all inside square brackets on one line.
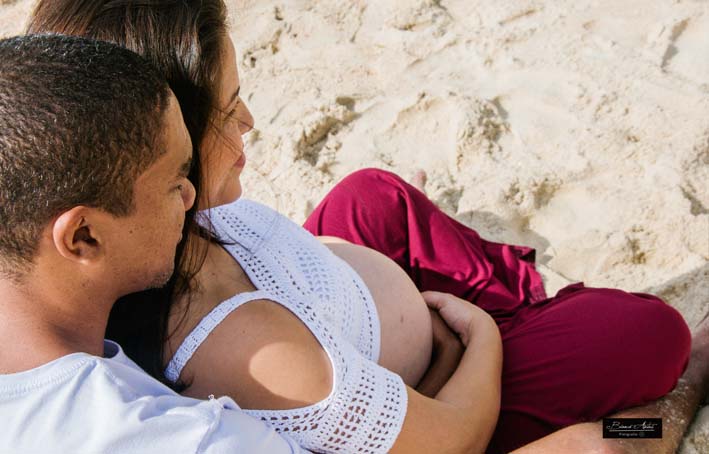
[(445, 357), (463, 415), (264, 357)]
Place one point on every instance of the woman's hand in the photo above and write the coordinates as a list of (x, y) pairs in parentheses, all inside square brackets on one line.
[(445, 357), (445, 341), (460, 315), (462, 415)]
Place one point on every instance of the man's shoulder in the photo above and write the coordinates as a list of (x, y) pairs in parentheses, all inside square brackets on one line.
[(82, 403)]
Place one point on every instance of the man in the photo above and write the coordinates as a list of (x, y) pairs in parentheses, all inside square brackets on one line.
[(93, 162)]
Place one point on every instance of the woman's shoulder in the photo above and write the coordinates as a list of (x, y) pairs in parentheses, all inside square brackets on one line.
[(263, 356), (244, 209)]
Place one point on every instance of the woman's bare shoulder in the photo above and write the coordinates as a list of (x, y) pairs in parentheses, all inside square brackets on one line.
[(264, 357)]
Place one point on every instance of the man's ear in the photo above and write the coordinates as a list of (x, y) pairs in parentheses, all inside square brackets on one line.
[(76, 234)]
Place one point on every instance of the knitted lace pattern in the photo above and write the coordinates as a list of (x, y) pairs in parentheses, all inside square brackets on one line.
[(365, 410)]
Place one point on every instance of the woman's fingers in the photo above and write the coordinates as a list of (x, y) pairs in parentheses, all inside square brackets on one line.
[(457, 313), (443, 335), (435, 300)]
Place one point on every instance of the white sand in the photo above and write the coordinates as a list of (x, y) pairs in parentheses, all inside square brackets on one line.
[(578, 128)]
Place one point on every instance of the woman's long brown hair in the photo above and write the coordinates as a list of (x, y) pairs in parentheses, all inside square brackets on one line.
[(184, 39)]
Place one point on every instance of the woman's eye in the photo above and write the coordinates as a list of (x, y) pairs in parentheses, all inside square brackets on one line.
[(233, 111)]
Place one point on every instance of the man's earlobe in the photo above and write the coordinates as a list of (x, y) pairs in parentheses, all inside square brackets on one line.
[(75, 236)]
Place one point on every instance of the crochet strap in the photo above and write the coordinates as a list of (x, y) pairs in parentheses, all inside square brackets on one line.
[(206, 326)]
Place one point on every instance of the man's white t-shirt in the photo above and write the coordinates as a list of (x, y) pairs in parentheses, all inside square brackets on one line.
[(83, 404)]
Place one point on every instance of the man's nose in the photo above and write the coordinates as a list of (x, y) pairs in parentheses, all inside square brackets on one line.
[(188, 195)]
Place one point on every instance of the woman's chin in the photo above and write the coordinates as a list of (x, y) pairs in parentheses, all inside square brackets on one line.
[(233, 194), (225, 197)]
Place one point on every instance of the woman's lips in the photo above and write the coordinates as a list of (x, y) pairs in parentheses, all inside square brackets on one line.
[(242, 161)]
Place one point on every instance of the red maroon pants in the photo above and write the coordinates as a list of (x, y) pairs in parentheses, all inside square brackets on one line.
[(577, 356)]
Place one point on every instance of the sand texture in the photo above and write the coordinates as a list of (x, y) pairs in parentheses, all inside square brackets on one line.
[(578, 128)]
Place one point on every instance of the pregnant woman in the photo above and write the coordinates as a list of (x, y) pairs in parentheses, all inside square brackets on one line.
[(325, 333)]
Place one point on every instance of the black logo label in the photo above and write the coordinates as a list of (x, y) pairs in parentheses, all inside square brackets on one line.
[(632, 427)]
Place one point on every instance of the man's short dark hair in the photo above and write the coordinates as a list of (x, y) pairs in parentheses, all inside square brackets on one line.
[(80, 120)]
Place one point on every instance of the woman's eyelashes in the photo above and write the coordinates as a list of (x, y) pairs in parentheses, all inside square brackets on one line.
[(242, 119), (232, 112)]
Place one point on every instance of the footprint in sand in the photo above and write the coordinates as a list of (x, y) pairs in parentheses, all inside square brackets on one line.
[(688, 45)]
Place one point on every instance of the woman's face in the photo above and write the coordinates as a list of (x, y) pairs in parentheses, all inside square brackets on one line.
[(222, 149)]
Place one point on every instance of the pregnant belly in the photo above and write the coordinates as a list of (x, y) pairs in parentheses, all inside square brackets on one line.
[(406, 337)]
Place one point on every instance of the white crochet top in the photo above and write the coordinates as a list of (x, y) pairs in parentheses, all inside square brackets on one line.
[(288, 265)]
